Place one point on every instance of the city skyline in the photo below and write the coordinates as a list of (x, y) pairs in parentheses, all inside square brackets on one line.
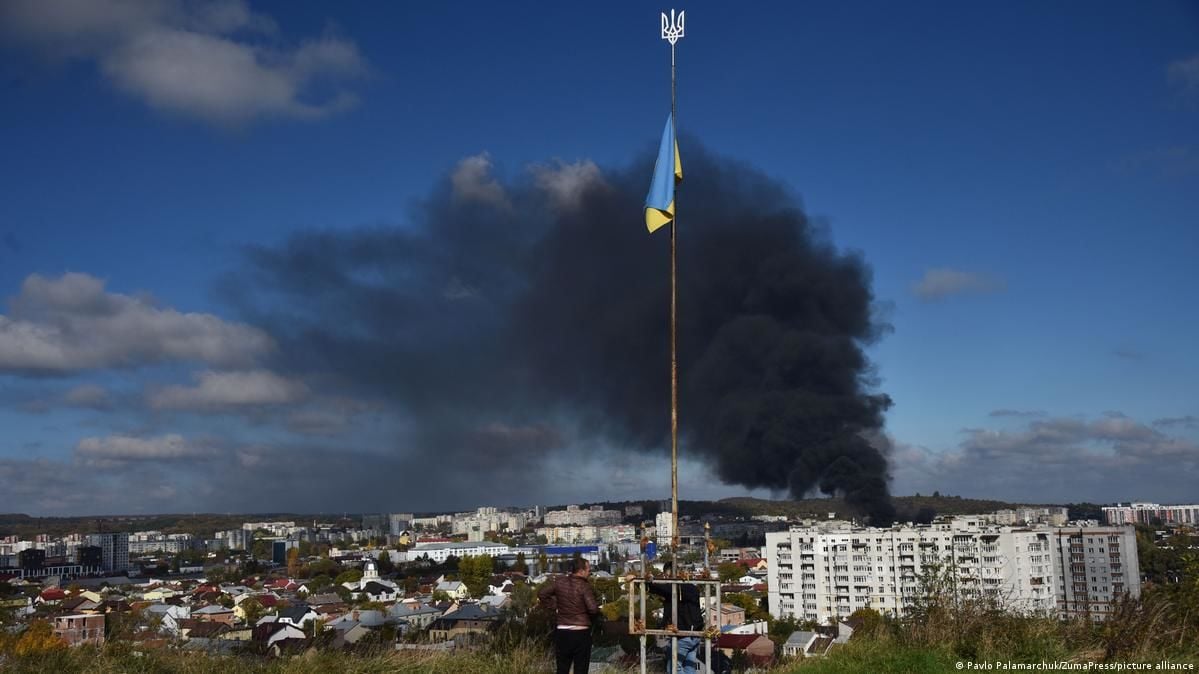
[(241, 289)]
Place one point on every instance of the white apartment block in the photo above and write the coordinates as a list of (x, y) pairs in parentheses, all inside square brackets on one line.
[(1054, 516), (143, 542), (664, 528), (1147, 513), (576, 516), (588, 534), (487, 519), (1095, 566), (433, 522), (276, 528), (236, 539), (830, 570)]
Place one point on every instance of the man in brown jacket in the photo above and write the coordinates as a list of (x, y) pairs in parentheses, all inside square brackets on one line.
[(574, 604)]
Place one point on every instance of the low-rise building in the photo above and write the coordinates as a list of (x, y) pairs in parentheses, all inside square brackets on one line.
[(80, 628)]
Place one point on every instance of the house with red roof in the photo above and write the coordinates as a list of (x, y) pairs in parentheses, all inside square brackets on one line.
[(51, 595), (758, 648)]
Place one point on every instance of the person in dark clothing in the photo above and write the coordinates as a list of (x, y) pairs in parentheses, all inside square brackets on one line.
[(574, 605), (690, 619)]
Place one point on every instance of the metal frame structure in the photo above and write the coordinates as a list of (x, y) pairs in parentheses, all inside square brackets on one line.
[(638, 616)]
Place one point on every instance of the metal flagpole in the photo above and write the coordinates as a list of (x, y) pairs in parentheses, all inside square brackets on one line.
[(672, 31)]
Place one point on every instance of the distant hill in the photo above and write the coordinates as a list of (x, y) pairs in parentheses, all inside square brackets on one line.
[(201, 524), (907, 507)]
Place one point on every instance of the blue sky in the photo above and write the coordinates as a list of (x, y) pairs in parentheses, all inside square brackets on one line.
[(1023, 178)]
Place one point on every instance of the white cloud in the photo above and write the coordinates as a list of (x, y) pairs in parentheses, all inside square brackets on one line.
[(71, 323), (472, 181), (564, 182), (122, 448), (940, 283), (217, 390), (1054, 460), (195, 59)]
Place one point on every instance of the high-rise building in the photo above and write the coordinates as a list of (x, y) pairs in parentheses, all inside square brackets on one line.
[(399, 523), (90, 557), (114, 550), (237, 539), (279, 550), (1095, 567), (664, 528), (833, 569)]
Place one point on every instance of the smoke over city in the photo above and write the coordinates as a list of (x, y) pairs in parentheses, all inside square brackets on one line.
[(507, 320)]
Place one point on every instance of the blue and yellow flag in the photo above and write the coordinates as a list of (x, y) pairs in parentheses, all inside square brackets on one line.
[(659, 203)]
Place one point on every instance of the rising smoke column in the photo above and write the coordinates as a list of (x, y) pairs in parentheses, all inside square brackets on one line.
[(532, 316)]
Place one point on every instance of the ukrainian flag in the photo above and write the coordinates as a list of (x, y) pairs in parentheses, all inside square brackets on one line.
[(659, 203)]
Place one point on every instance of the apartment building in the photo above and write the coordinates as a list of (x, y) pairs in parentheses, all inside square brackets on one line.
[(830, 570), (1095, 566), (114, 550), (1151, 514)]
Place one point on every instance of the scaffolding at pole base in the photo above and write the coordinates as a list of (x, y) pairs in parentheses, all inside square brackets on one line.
[(639, 618)]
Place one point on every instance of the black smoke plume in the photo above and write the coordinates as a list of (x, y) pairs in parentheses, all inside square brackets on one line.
[(526, 317)]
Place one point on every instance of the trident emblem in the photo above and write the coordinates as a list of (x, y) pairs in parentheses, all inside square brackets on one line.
[(672, 27)]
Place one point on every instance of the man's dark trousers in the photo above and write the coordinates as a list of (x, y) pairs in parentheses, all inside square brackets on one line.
[(573, 648)]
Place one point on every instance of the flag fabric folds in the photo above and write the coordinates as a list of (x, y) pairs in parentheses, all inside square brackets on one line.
[(659, 203)]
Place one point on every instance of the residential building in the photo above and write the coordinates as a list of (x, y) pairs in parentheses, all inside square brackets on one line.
[(398, 523), (80, 628), (114, 550), (613, 533), (1095, 567), (1151, 514), (574, 515), (237, 539), (832, 569), (664, 527)]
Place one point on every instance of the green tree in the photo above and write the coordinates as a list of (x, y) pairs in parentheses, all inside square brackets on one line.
[(729, 571), (260, 549), (782, 629), (348, 576), (607, 589), (476, 573), (324, 566), (385, 564), (871, 619), (253, 610), (522, 597), (521, 565)]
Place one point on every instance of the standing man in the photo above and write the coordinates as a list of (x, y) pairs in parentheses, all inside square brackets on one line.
[(573, 602), (689, 619)]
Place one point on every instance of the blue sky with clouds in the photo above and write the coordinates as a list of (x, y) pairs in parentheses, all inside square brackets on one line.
[(1023, 179)]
